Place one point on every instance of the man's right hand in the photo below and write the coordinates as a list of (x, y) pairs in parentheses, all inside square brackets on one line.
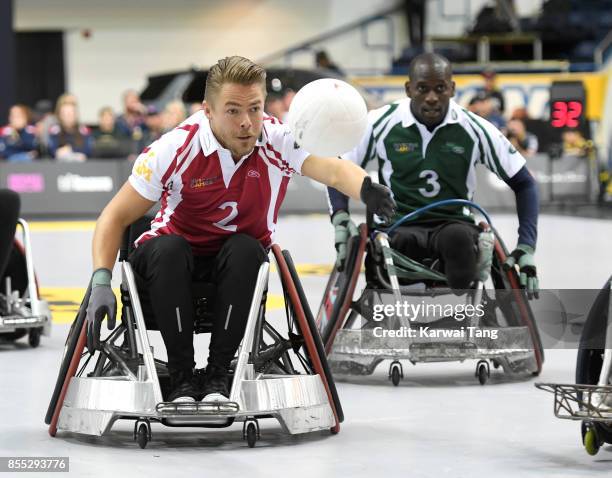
[(344, 229), (378, 199), (102, 302)]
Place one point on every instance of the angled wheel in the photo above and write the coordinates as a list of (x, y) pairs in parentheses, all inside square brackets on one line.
[(521, 314), (75, 343), (339, 291), (308, 329)]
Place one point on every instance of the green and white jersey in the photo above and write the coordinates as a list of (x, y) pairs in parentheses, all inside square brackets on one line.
[(422, 167)]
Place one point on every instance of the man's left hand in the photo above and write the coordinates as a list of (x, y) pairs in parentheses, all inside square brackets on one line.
[(528, 279)]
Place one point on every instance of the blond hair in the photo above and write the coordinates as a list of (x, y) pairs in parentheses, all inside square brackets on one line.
[(233, 69)]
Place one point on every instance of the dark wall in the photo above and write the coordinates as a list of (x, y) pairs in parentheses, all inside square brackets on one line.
[(39, 66), (7, 56)]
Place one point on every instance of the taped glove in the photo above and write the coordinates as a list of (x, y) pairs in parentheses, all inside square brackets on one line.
[(344, 229), (102, 302), (522, 257)]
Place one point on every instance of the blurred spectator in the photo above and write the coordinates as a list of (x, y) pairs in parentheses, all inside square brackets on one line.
[(525, 142), (194, 108), (278, 102), (174, 114), (109, 141), (68, 140), (574, 144), (131, 121), (520, 113), (494, 93), (43, 120), (18, 139), (482, 105), (275, 105), (323, 62), (154, 128), (47, 119)]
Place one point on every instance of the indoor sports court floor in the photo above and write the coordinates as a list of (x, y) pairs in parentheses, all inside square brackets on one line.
[(438, 422)]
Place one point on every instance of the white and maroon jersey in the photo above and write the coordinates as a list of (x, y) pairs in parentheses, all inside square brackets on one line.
[(205, 196)]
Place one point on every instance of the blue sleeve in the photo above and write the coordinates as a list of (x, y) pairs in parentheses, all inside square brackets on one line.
[(527, 205), (88, 145), (30, 142), (337, 201), (52, 145)]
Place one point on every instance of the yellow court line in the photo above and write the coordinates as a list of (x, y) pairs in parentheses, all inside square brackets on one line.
[(64, 302), (61, 226)]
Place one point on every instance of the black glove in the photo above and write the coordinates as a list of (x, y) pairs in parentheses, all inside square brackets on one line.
[(102, 302), (378, 199)]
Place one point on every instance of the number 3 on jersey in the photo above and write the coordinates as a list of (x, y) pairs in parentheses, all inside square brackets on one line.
[(431, 178), (223, 223)]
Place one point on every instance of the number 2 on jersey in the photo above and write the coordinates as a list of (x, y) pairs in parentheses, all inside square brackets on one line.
[(223, 223), (432, 180)]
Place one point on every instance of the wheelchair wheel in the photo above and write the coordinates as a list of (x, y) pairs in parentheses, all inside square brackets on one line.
[(589, 362), (339, 290), (518, 312), (308, 329), (72, 351)]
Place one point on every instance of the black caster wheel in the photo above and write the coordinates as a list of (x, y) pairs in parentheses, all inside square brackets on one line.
[(495, 364), (142, 433), (396, 373), (34, 338), (250, 432), (482, 371)]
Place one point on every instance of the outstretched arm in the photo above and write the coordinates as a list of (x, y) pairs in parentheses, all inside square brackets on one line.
[(351, 180)]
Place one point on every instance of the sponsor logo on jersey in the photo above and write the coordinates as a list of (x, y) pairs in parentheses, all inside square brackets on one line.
[(511, 149), (198, 183), (452, 148), (142, 168), (253, 174), (405, 147)]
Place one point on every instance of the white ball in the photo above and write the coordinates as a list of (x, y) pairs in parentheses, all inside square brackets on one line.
[(328, 117)]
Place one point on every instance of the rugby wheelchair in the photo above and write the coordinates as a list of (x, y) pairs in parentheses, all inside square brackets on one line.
[(278, 372), (589, 400), (348, 328), (22, 311)]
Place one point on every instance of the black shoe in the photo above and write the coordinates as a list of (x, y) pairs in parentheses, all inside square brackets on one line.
[(216, 387), (181, 383)]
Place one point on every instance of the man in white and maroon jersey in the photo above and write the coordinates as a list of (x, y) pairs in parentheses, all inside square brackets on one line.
[(221, 177)]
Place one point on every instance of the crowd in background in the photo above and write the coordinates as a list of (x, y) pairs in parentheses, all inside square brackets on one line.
[(57, 133)]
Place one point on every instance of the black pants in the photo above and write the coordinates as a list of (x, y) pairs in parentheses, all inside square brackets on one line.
[(166, 268), (9, 213), (453, 243)]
